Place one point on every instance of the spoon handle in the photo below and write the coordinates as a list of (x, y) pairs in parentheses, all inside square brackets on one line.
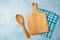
[(26, 32)]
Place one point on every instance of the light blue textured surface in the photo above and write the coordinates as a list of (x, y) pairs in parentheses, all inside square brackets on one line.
[(11, 30)]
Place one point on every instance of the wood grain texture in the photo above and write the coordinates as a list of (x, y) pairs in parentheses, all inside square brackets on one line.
[(37, 22)]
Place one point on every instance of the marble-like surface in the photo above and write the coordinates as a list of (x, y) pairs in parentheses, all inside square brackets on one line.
[(11, 30)]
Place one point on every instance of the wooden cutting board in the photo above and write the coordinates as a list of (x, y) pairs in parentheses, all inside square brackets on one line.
[(37, 22)]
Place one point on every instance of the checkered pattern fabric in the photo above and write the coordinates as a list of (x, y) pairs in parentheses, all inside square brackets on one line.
[(52, 19)]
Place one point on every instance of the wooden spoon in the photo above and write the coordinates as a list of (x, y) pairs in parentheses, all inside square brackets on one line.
[(20, 20)]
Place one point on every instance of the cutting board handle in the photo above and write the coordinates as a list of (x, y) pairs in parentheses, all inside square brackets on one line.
[(34, 7)]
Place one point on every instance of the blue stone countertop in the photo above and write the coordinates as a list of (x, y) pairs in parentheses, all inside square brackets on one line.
[(11, 30)]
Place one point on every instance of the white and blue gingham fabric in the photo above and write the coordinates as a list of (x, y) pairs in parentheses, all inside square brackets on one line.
[(52, 19)]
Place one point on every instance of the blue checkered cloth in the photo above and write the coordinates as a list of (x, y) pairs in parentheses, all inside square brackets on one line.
[(52, 19)]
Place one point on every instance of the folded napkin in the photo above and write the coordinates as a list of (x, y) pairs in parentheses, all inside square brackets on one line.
[(52, 19)]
